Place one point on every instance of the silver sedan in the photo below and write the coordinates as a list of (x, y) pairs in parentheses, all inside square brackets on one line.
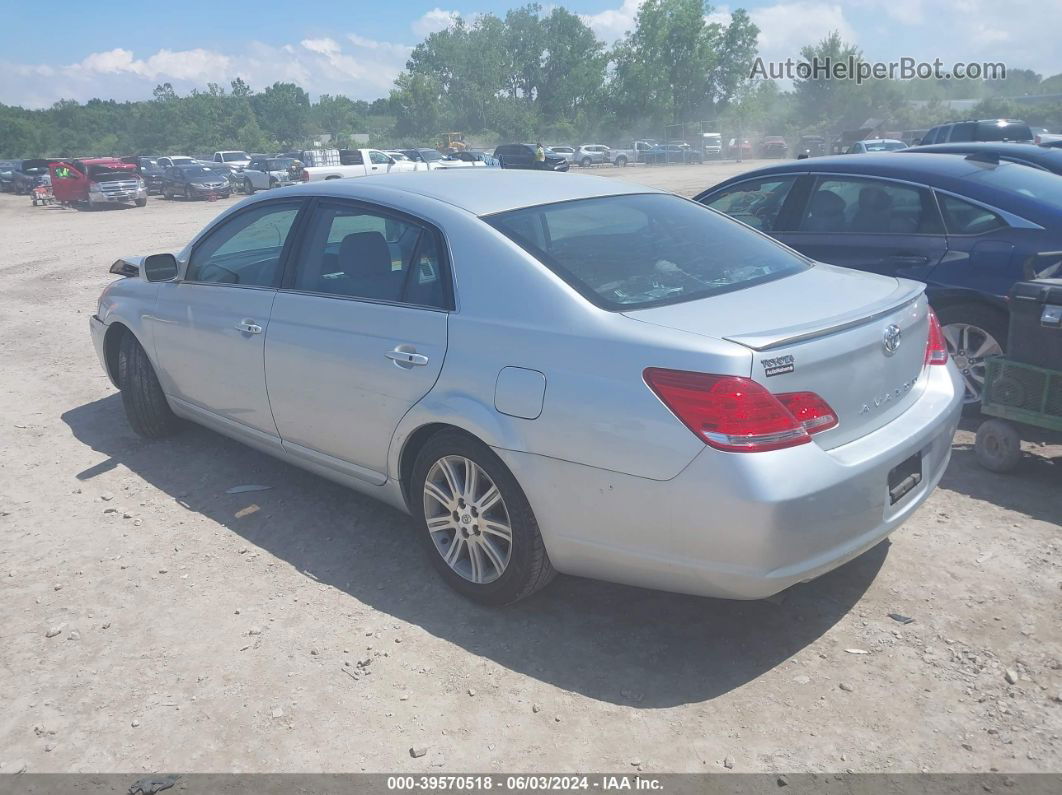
[(550, 373)]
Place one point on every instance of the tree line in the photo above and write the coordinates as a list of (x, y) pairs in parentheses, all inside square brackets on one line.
[(530, 74)]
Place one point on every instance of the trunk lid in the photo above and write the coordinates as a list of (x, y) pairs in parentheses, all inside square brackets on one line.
[(823, 330)]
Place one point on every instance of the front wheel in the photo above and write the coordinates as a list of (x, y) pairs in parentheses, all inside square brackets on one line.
[(621, 162), (145, 404), (248, 186), (141, 202), (973, 332), (585, 162), (479, 528)]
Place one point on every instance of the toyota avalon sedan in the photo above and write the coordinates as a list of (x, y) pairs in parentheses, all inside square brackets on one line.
[(550, 374)]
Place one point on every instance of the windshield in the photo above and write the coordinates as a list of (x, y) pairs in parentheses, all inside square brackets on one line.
[(637, 251), (180, 161), (429, 155), (279, 164), (1032, 183), (228, 157)]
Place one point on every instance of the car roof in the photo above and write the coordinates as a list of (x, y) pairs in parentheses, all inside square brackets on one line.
[(479, 191)]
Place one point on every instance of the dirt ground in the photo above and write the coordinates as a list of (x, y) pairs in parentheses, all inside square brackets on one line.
[(312, 635)]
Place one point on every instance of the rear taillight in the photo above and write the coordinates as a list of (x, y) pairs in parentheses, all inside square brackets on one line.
[(737, 414), (936, 347)]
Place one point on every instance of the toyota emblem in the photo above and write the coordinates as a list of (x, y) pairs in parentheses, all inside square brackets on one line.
[(891, 339)]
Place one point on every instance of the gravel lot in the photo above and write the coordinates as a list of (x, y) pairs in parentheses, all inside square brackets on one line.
[(312, 635)]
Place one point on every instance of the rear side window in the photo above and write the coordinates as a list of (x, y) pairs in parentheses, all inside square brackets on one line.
[(357, 253), (964, 218), (964, 132), (870, 206), (754, 202), (245, 249), (642, 250)]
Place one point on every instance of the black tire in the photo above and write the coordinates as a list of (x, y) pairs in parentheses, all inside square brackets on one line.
[(998, 446), (145, 405), (272, 183), (529, 568), (984, 317), (585, 162), (621, 161), (248, 186), (187, 193), (141, 202)]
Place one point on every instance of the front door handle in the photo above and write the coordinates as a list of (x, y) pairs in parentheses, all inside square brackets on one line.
[(910, 260), (248, 327), (407, 358)]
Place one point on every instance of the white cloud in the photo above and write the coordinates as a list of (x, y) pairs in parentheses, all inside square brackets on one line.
[(433, 21), (786, 27), (359, 67), (613, 23)]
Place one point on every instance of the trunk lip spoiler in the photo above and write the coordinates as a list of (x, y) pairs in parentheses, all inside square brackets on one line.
[(905, 294)]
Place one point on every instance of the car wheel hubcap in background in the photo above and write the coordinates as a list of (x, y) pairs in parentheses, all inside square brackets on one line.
[(467, 519), (968, 347)]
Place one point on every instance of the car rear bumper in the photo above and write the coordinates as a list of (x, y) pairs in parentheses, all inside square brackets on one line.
[(740, 525)]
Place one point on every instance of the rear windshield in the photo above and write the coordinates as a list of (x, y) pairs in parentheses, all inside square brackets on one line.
[(633, 252), (1032, 183), (429, 155), (228, 157), (988, 131)]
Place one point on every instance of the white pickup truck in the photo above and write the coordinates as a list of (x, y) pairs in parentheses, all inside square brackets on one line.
[(352, 163)]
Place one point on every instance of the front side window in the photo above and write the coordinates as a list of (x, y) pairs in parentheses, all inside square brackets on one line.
[(353, 252), (754, 202), (246, 249), (964, 218), (379, 158), (642, 250), (868, 206)]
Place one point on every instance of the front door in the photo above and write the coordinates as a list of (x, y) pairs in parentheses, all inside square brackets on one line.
[(875, 225), (357, 335), (68, 184), (210, 326)]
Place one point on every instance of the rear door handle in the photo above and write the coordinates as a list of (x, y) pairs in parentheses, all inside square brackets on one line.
[(248, 327), (407, 358)]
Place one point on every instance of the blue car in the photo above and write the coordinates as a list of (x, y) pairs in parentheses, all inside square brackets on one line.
[(966, 226)]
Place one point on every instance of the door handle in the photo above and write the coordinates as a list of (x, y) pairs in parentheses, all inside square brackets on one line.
[(407, 358), (248, 327), (909, 259)]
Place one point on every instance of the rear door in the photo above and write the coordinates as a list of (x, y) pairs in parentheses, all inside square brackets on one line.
[(870, 224), (211, 325), (357, 335)]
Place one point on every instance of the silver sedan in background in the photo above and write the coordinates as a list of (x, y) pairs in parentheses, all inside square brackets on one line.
[(550, 373)]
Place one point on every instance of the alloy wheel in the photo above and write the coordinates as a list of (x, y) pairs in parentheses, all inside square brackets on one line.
[(969, 346), (467, 519)]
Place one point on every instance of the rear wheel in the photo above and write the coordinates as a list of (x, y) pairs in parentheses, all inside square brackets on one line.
[(973, 332), (145, 405), (585, 162), (479, 528), (248, 187), (621, 161), (998, 446)]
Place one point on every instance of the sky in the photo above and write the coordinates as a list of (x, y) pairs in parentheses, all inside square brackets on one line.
[(121, 49)]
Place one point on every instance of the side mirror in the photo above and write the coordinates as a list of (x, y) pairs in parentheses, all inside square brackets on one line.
[(160, 268)]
